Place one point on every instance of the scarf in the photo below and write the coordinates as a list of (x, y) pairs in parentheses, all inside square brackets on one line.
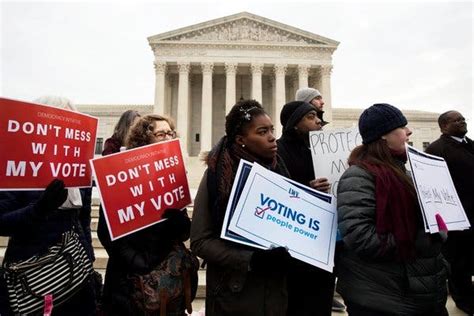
[(223, 161), (395, 208)]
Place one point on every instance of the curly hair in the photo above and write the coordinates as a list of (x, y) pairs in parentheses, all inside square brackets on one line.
[(141, 133), (240, 116)]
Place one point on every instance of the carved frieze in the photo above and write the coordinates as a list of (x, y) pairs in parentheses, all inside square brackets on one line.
[(244, 30)]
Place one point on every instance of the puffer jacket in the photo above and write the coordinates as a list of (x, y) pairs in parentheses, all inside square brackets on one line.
[(378, 281)]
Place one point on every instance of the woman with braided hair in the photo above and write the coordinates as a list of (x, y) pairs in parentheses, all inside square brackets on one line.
[(240, 280)]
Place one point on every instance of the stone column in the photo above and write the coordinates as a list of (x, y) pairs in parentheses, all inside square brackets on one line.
[(280, 98), (257, 70), (206, 107), (183, 106), (325, 72), (160, 73), (303, 76), (230, 70)]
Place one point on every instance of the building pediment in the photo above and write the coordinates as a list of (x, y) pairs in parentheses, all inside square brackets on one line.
[(242, 28)]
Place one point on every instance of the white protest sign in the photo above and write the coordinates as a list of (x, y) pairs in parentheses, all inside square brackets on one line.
[(239, 182), (330, 150), (436, 191), (273, 211)]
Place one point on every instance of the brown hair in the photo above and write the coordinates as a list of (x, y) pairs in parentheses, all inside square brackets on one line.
[(141, 133), (123, 125), (378, 153)]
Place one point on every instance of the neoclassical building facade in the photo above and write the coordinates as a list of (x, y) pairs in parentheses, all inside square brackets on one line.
[(203, 69)]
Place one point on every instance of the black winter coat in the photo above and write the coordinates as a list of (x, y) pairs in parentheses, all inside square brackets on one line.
[(297, 157), (310, 289), (137, 253)]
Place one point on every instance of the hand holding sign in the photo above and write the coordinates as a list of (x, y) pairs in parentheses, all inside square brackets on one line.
[(320, 184), (177, 224), (274, 260), (52, 198)]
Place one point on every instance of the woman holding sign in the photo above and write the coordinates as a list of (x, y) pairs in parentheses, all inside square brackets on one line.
[(39, 223), (388, 265), (240, 280), (142, 252)]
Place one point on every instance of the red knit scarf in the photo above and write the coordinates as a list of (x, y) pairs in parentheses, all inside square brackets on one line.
[(395, 209)]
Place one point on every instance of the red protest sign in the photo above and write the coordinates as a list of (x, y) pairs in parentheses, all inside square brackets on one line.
[(39, 143), (137, 185)]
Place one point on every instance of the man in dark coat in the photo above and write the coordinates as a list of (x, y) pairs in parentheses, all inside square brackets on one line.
[(458, 151), (310, 289)]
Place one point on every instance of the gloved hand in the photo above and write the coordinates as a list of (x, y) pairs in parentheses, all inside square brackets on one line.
[(53, 197), (177, 224), (271, 260)]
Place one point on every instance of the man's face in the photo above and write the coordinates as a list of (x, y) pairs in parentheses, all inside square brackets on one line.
[(455, 125), (318, 103), (310, 122)]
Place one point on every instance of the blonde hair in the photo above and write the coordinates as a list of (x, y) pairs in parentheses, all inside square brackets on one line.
[(58, 102)]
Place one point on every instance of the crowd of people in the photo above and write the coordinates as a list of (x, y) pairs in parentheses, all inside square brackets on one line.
[(385, 262)]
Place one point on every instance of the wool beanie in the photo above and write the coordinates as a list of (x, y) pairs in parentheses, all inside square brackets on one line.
[(293, 112), (378, 120), (306, 94)]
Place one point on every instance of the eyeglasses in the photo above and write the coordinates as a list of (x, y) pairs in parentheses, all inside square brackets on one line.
[(163, 134)]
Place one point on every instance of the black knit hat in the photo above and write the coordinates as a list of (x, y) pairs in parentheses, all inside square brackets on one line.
[(293, 112), (378, 120)]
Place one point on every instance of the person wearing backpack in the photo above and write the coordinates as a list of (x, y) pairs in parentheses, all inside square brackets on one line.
[(142, 257)]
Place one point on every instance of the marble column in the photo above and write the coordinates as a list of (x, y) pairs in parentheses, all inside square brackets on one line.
[(230, 70), (325, 72), (303, 76), (182, 126), (160, 73), (206, 107), (280, 97), (257, 70)]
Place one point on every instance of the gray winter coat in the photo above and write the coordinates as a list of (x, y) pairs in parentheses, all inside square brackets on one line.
[(381, 282)]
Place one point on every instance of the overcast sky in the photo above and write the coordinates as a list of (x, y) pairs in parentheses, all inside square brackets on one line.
[(413, 55)]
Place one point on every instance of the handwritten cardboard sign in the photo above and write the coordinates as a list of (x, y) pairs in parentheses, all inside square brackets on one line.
[(137, 185), (436, 191), (39, 143), (330, 150)]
